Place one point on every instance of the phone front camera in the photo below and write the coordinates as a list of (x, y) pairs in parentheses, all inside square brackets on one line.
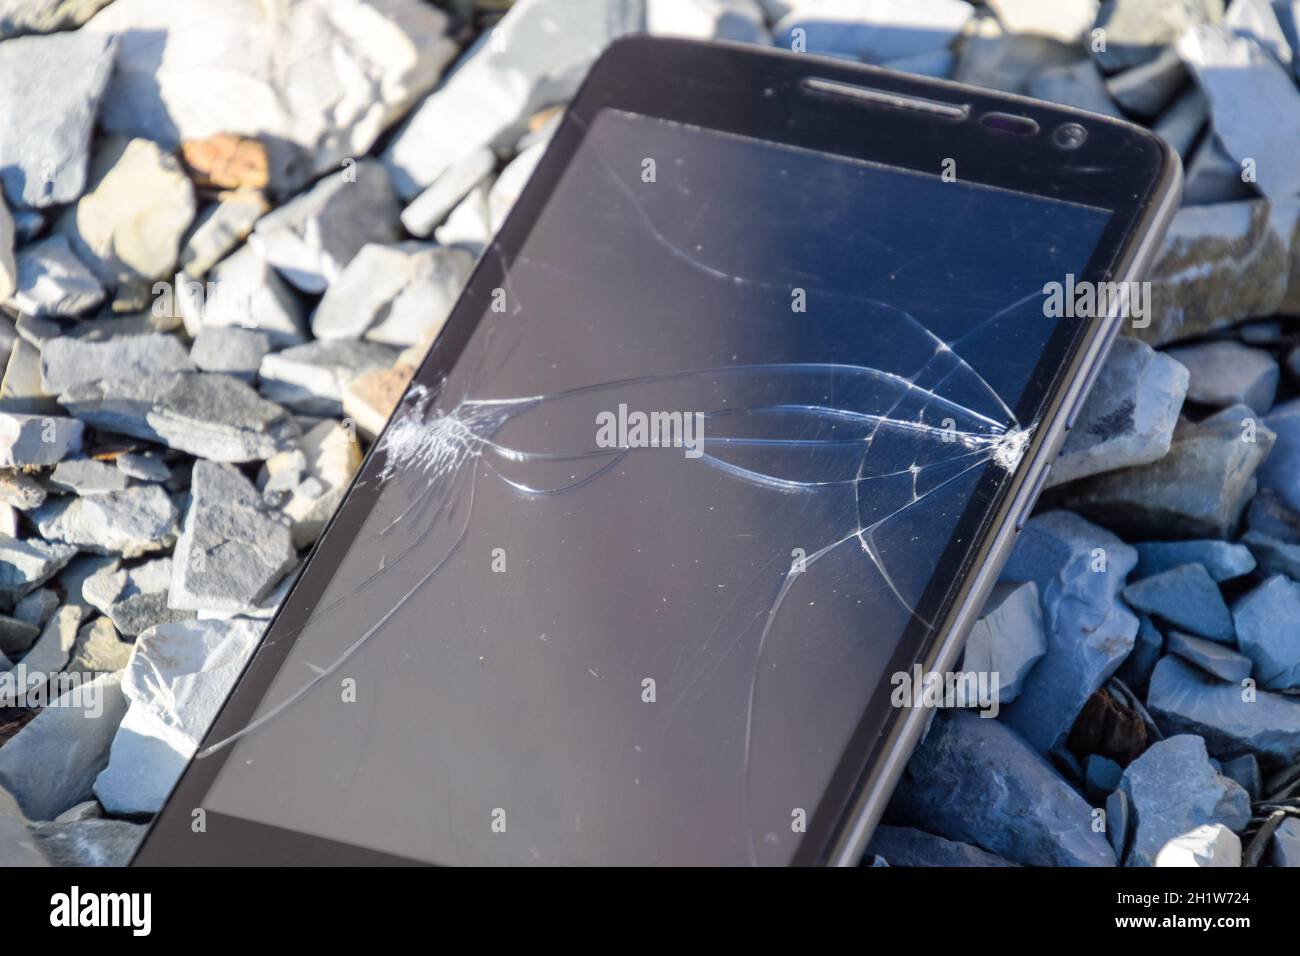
[(1069, 136)]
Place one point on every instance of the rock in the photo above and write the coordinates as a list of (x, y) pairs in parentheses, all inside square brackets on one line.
[(1145, 91), (1119, 822), (231, 552), (316, 81), (128, 226), (1211, 657), (37, 439), (58, 80), (1182, 122), (310, 378), (8, 266), (15, 637), (1219, 264), (1173, 789), (178, 678), (1284, 849), (20, 389), (330, 455), (1064, 20), (17, 845), (1268, 632), (98, 649), (130, 523), (906, 846), (20, 17), (504, 79), (872, 30), (86, 476), (976, 781), (1221, 559), (1007, 640), (1101, 776), (66, 362), (312, 237), (53, 281), (1279, 473), (1254, 101), (1229, 373), (1136, 31), (508, 187), (988, 56), (1256, 20), (1148, 647), (1273, 556), (21, 491), (89, 842), (1186, 597), (37, 607), (26, 565), (219, 229), (143, 467), (230, 350), (1245, 770), (1268, 516), (740, 21), (1207, 845), (1128, 417), (1079, 569), (227, 161), (1184, 701), (52, 762), (85, 810), (135, 599), (212, 416), (432, 205), (469, 226), (1199, 489), (369, 399), (393, 294), (1079, 85), (245, 291), (1213, 176), (53, 649)]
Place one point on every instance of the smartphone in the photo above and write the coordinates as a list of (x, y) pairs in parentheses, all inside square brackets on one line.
[(736, 419)]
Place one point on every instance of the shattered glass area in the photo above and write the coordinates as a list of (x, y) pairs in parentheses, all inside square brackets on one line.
[(565, 651)]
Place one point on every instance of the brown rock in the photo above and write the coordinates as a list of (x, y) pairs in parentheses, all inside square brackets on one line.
[(369, 399), (226, 161)]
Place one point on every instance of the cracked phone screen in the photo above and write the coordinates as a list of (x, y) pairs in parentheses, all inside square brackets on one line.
[(569, 639)]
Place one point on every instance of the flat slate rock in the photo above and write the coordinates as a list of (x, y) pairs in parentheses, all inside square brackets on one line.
[(86, 476), (1186, 597), (53, 281), (907, 846), (1007, 640), (99, 649), (1222, 559), (37, 439), (135, 598), (1210, 656), (1273, 555), (231, 350), (1136, 31), (1229, 373), (89, 842), (26, 565), (66, 362), (127, 523), (1268, 632), (243, 291), (310, 378), (211, 416), (1280, 472)]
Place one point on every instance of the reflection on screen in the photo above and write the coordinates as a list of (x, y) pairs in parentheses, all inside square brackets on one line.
[(639, 562)]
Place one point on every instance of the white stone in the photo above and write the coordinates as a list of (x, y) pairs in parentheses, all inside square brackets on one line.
[(431, 207), (37, 439), (243, 290), (53, 281), (1064, 20), (1207, 845), (737, 20)]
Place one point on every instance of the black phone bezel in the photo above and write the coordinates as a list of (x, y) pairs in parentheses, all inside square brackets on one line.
[(762, 94)]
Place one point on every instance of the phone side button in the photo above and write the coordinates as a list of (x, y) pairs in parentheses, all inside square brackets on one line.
[(1033, 498)]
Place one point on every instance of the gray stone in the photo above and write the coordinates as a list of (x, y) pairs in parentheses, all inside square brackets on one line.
[(53, 281), (8, 265), (1145, 91), (1212, 176), (1223, 560), (54, 84), (134, 598), (1211, 657), (1137, 31), (1204, 846), (143, 467), (504, 79), (393, 294), (86, 476), (1007, 640), (37, 439), (1148, 647), (317, 80), (219, 229), (177, 680), (89, 842), (1268, 632), (129, 523), (316, 475), (1256, 20), (310, 378), (21, 491), (1182, 122), (1245, 770), (1280, 472), (51, 763), (469, 226), (1128, 417), (1268, 516), (1219, 264), (53, 649), (1254, 102), (1284, 849), (1229, 373), (1233, 720), (1100, 777), (231, 551), (432, 206), (26, 565), (129, 225), (1186, 597), (231, 350), (16, 636), (907, 846), (1173, 789), (17, 845), (211, 416), (1261, 332), (1199, 489), (1079, 85), (976, 781), (313, 236), (1274, 556), (98, 649), (38, 607), (66, 362), (872, 30), (1119, 822), (85, 810), (989, 57), (1079, 569), (20, 17), (243, 290)]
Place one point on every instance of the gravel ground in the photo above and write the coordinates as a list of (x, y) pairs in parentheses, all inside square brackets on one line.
[(230, 231)]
